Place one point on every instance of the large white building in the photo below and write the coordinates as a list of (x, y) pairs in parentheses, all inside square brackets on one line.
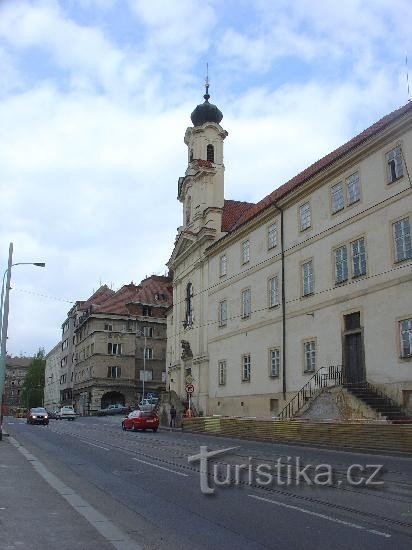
[(317, 273)]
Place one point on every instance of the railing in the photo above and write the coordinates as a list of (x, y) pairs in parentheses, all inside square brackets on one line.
[(325, 377)]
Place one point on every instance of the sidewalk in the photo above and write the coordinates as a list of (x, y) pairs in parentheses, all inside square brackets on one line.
[(33, 516)]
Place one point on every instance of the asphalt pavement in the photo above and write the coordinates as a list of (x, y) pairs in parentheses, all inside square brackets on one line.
[(143, 486)]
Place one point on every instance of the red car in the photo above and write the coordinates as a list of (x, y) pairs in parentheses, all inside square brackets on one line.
[(141, 420)]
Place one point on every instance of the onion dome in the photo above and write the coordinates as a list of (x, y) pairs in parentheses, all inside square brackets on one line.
[(206, 112)]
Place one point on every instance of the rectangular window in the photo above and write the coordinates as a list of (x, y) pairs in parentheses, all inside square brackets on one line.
[(163, 376), (358, 257), (148, 332), (405, 327), (309, 350), (114, 372), (147, 311), (274, 362), (147, 375), (402, 240), (222, 373), (149, 353), (114, 349), (223, 313), (353, 188), (92, 348), (108, 327), (305, 216), (223, 265), (246, 304), (394, 164), (307, 278), (273, 292), (337, 197), (246, 368), (341, 264), (245, 252), (272, 236)]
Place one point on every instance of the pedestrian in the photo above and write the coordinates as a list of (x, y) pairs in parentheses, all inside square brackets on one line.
[(173, 416)]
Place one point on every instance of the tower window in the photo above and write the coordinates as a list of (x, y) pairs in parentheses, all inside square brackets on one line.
[(210, 153), (190, 155), (188, 210)]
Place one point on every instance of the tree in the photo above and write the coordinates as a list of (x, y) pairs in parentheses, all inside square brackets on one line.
[(33, 386)]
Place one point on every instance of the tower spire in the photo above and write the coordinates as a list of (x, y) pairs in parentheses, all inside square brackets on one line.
[(207, 96)]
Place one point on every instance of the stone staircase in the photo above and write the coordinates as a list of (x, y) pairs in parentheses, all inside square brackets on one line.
[(378, 401)]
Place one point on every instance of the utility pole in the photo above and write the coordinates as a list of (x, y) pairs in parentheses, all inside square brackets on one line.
[(4, 326)]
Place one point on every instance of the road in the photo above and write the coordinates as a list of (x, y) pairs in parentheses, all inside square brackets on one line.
[(143, 482)]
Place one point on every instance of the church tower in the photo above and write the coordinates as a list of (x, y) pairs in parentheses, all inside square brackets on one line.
[(201, 190)]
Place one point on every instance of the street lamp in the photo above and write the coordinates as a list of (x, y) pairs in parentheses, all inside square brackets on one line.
[(4, 320), (142, 333)]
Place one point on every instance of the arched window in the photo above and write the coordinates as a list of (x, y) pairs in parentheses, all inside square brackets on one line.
[(210, 153), (189, 306), (190, 155), (188, 212)]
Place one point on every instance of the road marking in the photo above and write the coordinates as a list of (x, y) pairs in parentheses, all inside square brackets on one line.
[(108, 530), (94, 445), (160, 467), (323, 516)]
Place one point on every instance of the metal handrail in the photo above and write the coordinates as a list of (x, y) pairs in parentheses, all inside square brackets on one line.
[(324, 377)]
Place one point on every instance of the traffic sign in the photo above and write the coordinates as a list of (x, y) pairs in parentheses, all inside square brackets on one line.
[(190, 388), (189, 379)]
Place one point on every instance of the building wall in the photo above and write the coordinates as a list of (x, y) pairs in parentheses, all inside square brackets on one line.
[(52, 378), (16, 370)]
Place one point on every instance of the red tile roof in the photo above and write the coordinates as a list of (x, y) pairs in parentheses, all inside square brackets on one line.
[(98, 297), (233, 211), (143, 293), (240, 214)]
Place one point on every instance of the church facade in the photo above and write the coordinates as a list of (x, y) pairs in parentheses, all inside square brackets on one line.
[(316, 274)]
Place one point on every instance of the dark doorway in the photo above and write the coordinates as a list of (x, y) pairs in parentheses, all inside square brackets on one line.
[(353, 356)]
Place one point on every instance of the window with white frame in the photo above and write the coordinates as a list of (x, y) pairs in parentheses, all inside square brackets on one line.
[(114, 372), (148, 332), (222, 373), (148, 353), (272, 235), (246, 368), (305, 216), (405, 328), (114, 349), (394, 164), (245, 252), (108, 326), (402, 240), (341, 264), (223, 313), (337, 197), (358, 257), (309, 356), (189, 317), (307, 278), (246, 303), (273, 289), (274, 362), (353, 188), (223, 265)]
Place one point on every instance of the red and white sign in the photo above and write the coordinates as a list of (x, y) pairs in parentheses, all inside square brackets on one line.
[(190, 388)]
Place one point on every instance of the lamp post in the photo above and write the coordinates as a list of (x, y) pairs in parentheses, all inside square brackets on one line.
[(141, 333), (4, 321)]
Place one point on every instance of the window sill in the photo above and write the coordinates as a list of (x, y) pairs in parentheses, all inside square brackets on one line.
[(303, 229), (309, 371), (246, 381), (403, 260), (405, 357), (308, 295), (274, 376), (395, 180), (274, 306), (245, 318), (341, 283), (223, 326)]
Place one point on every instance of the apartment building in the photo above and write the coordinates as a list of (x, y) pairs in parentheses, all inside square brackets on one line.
[(52, 378), (16, 370), (120, 346), (317, 273)]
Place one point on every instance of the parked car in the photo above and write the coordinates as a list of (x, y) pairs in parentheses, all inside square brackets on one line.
[(116, 408), (141, 420), (53, 414), (151, 401), (66, 413), (37, 415)]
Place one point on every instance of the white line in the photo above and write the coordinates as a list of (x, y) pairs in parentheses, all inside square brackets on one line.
[(160, 467), (94, 445), (323, 516), (108, 530)]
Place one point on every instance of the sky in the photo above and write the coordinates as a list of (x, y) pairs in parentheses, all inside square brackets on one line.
[(95, 98)]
